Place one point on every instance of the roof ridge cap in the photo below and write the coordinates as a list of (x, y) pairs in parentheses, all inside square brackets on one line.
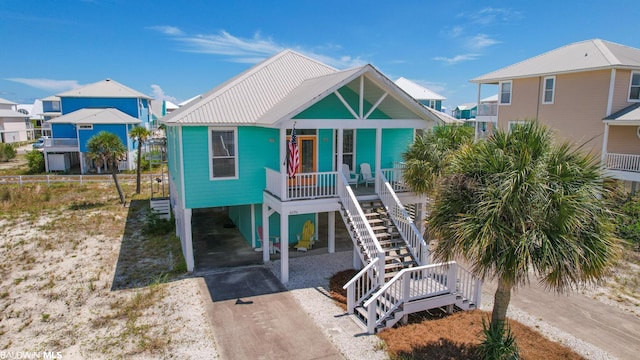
[(606, 52)]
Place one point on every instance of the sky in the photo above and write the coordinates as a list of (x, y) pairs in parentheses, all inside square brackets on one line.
[(175, 50)]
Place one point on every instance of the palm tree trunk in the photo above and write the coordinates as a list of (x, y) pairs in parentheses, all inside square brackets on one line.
[(138, 170), (114, 172), (501, 302)]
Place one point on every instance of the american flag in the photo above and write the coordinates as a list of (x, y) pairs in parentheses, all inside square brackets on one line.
[(294, 156)]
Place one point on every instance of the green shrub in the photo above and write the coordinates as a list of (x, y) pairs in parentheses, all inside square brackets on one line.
[(498, 342), (155, 225), (35, 161), (7, 152), (626, 206)]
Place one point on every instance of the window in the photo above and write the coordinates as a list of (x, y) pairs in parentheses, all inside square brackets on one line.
[(549, 87), (85, 126), (634, 87), (55, 105), (222, 150), (513, 124), (505, 93)]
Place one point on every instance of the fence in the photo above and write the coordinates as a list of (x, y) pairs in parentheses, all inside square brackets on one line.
[(49, 179)]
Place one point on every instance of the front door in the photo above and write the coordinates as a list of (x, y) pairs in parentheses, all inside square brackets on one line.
[(307, 163)]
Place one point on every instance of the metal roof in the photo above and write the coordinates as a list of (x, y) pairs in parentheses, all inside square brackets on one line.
[(246, 97), (417, 91), (445, 118), (7, 113), (95, 116), (586, 55), (51, 98), (6, 102), (466, 106), (104, 89)]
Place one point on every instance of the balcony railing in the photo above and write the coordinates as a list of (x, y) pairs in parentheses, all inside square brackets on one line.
[(60, 142), (489, 109), (623, 162)]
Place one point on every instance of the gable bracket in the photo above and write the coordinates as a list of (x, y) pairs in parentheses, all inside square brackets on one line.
[(344, 102), (375, 106)]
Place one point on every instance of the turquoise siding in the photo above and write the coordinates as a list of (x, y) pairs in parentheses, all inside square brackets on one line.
[(241, 217), (365, 148), (85, 135), (394, 143), (325, 150), (257, 149), (332, 108), (173, 158)]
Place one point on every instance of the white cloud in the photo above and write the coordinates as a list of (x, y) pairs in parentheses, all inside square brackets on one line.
[(456, 59), (48, 84), (481, 41), (489, 15), (455, 31), (251, 50), (159, 94), (167, 30)]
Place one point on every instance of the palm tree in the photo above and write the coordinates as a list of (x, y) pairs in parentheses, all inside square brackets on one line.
[(107, 147), (140, 134), (518, 202), (426, 159)]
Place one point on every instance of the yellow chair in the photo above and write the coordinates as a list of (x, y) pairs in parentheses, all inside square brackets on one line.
[(306, 238)]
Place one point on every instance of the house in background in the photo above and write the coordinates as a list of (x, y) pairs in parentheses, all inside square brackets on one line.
[(15, 126), (486, 117), (587, 91), (465, 111), (291, 139), (103, 106), (424, 96), (50, 109)]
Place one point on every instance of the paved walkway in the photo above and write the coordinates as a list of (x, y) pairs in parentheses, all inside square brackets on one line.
[(592, 321), (256, 318)]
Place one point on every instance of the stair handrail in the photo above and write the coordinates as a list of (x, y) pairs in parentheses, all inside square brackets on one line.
[(361, 227), (403, 222), (469, 287), (364, 286), (398, 290)]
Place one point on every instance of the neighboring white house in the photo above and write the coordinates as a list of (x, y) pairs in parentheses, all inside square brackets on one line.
[(14, 126)]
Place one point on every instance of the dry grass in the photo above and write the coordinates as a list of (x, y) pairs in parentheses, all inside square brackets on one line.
[(436, 335)]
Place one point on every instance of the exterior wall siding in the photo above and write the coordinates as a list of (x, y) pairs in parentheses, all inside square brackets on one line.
[(623, 140), (365, 148), (621, 90), (325, 149), (257, 149), (85, 135), (128, 106), (394, 143), (332, 108), (580, 103), (63, 131)]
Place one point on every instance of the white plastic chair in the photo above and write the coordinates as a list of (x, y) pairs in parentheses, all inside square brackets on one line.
[(365, 172), (351, 176)]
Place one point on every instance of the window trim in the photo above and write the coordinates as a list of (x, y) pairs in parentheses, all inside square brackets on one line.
[(544, 90), (353, 154), (510, 123), (629, 99), (85, 126), (210, 131), (500, 92)]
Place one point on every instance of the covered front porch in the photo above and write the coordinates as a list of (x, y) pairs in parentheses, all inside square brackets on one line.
[(621, 144)]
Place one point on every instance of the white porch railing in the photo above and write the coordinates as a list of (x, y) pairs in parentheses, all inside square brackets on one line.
[(624, 162), (403, 222), (60, 142), (488, 109), (468, 286), (362, 285), (123, 165), (303, 186), (395, 178)]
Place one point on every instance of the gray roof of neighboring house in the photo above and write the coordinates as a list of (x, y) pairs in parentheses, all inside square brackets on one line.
[(284, 85), (446, 118), (95, 116), (104, 89), (630, 113), (51, 98), (418, 92), (586, 55), (7, 113), (492, 98)]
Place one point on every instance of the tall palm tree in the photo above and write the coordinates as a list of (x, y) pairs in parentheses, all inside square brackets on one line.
[(107, 148), (426, 159), (141, 135), (518, 202)]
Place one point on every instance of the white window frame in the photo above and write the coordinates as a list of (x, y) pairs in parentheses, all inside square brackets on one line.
[(544, 89), (633, 86), (353, 153), (511, 123), (55, 105), (210, 131), (85, 126), (500, 92)]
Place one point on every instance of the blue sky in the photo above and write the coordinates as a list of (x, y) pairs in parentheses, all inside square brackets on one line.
[(179, 49)]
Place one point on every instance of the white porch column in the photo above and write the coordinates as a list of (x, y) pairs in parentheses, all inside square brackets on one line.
[(357, 264), (266, 256), (284, 248), (339, 142), (46, 161), (188, 240), (331, 231), (253, 226), (378, 156), (605, 141)]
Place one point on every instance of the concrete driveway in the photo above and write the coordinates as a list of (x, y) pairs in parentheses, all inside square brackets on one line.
[(254, 317)]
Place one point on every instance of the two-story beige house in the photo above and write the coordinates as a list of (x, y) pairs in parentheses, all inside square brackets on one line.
[(589, 92)]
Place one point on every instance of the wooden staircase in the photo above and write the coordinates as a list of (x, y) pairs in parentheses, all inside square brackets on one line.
[(397, 279)]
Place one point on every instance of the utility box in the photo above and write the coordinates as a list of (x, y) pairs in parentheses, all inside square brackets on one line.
[(59, 162)]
